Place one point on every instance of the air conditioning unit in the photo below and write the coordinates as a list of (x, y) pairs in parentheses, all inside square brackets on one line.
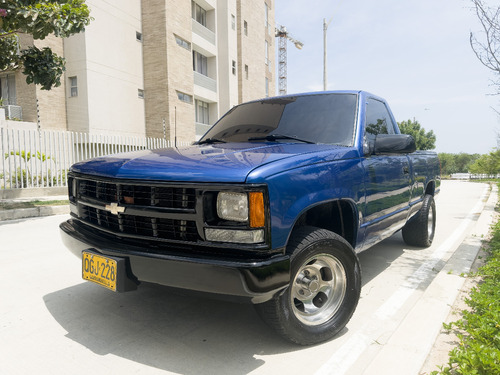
[(13, 112)]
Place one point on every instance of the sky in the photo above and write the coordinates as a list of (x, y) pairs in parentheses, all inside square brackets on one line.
[(413, 53)]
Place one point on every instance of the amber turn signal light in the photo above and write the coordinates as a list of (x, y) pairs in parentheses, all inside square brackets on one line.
[(257, 213)]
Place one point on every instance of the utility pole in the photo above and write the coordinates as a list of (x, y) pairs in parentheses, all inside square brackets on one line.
[(325, 69)]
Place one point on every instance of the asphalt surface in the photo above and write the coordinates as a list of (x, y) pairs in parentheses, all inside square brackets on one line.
[(53, 322)]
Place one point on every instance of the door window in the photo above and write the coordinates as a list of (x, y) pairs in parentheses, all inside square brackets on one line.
[(378, 121)]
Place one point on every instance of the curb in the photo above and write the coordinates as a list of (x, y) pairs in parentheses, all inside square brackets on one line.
[(23, 213)]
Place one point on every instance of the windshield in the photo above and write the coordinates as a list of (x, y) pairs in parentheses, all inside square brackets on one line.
[(319, 118)]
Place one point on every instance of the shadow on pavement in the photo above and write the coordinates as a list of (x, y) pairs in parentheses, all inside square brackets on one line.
[(161, 329), (378, 258)]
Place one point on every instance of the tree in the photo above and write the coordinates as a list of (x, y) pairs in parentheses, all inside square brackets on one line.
[(487, 47), (487, 164), (456, 163), (447, 162), (424, 140), (62, 18)]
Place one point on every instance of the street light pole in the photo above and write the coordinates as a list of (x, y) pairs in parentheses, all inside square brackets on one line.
[(325, 73)]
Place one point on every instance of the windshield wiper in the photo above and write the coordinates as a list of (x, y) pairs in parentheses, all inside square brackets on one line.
[(275, 137), (210, 140)]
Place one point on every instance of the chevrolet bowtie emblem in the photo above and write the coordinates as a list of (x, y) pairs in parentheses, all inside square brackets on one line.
[(114, 208)]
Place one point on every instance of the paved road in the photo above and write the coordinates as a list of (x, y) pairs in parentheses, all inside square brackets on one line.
[(52, 322)]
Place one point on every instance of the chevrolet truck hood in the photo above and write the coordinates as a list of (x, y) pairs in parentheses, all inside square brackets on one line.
[(223, 163)]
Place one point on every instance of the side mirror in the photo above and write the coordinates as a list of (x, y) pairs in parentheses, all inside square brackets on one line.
[(394, 144)]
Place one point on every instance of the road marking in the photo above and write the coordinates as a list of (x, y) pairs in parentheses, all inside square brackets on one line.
[(397, 300), (343, 359), (346, 356)]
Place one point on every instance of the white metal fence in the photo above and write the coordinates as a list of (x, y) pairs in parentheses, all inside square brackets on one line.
[(32, 159), (470, 176)]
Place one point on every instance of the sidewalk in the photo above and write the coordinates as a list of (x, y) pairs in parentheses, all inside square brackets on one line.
[(451, 281), (419, 345)]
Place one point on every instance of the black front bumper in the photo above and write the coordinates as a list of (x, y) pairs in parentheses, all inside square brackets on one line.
[(255, 280)]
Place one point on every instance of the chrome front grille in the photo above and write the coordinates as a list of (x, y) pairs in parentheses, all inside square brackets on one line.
[(140, 195), (170, 229), (146, 211)]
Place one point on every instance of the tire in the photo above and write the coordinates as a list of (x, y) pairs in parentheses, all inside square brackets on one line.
[(420, 229), (324, 288)]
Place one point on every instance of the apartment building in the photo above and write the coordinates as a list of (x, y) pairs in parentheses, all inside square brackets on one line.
[(201, 58), (157, 68)]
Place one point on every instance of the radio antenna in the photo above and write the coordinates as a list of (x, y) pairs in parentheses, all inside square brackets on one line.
[(175, 126)]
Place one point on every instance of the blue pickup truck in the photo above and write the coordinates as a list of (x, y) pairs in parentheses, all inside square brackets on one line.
[(271, 206)]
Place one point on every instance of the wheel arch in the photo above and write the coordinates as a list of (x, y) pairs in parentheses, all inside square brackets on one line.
[(339, 216), (430, 188)]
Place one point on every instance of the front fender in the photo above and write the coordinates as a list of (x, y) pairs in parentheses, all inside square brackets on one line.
[(293, 192)]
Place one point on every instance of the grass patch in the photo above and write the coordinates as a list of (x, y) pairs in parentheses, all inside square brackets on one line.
[(31, 204), (478, 329)]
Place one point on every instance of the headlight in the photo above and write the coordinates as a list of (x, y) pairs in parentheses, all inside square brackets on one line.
[(239, 207), (232, 206)]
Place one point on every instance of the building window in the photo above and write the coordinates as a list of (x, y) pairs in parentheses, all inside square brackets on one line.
[(183, 43), (138, 36), (234, 67), (199, 14), (184, 97), (245, 27), (8, 89), (140, 94), (266, 16), (202, 112), (73, 84), (267, 52), (233, 22), (267, 87), (246, 71), (200, 63)]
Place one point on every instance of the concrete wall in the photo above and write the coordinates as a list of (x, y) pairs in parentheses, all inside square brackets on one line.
[(107, 61), (269, 34), (227, 53), (76, 66), (155, 66), (180, 71), (26, 94), (51, 103)]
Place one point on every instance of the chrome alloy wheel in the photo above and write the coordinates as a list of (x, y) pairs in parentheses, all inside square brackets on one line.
[(430, 223), (318, 289)]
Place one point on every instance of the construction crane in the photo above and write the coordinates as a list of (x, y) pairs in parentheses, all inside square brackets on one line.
[(283, 36)]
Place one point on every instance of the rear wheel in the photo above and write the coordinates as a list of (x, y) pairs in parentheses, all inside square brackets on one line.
[(323, 291), (419, 230)]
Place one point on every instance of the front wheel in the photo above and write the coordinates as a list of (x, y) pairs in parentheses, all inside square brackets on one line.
[(323, 292)]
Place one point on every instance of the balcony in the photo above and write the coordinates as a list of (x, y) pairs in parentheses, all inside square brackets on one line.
[(205, 82), (201, 129), (204, 32)]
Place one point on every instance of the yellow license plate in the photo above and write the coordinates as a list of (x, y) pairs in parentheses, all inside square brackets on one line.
[(99, 269)]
